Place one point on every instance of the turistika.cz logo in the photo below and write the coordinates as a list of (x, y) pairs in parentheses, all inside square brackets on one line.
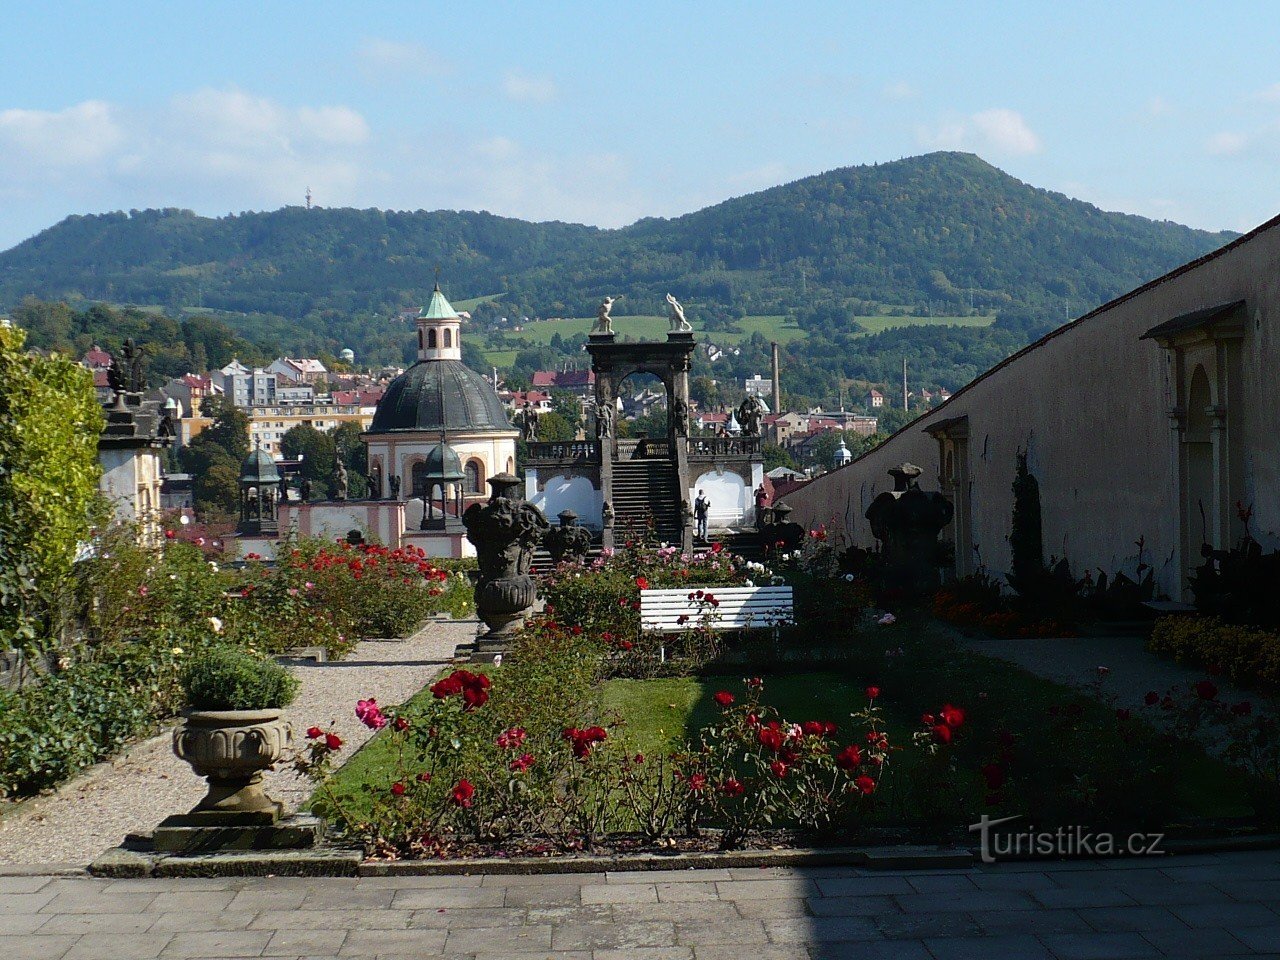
[(1070, 841)]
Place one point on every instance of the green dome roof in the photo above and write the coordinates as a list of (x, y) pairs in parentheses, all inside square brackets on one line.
[(443, 463), (413, 401), (258, 467)]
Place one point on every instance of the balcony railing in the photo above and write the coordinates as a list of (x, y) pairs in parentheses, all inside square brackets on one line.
[(717, 448), (564, 452)]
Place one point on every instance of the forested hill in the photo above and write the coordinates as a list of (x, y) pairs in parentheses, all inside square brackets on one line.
[(940, 231)]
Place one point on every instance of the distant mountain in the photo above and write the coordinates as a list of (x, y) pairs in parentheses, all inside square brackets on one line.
[(945, 230)]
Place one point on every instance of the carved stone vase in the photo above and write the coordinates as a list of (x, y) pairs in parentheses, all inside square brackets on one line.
[(567, 541), (907, 521), (505, 530), (231, 749)]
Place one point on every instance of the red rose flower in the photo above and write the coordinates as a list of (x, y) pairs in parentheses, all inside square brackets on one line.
[(873, 693), (424, 778), (717, 547), (942, 733), (642, 583), (314, 733), (951, 716), (463, 791), (1123, 713), (812, 728), (849, 758), (1151, 699), (332, 741), (771, 737), (697, 782), (1206, 690), (397, 788), (994, 775), (865, 785), (779, 769), (1242, 709), (724, 698), (732, 787), (521, 763), (401, 724)]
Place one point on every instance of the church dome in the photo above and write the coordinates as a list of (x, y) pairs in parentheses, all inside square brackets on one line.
[(413, 401), (259, 468), (443, 463)]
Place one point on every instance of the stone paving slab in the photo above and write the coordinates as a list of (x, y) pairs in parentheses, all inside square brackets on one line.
[(1223, 905)]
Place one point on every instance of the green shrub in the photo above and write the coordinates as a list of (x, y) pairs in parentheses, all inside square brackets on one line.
[(1244, 654), (226, 678)]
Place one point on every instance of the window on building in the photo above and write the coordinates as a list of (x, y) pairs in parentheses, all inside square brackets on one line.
[(448, 338), (431, 340), (475, 476)]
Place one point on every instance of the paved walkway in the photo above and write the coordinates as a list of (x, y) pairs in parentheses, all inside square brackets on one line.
[(1075, 660), (1204, 906), (139, 788)]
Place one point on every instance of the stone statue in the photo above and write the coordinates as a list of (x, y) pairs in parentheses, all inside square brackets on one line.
[(394, 483), (567, 541), (117, 374), (780, 533), (375, 481), (604, 322), (137, 365), (304, 490), (606, 515), (529, 423), (284, 488), (679, 417), (505, 531), (339, 491), (749, 415), (604, 421), (678, 323), (907, 522)]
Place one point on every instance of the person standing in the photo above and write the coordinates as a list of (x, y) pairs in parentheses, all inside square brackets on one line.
[(701, 510), (762, 504)]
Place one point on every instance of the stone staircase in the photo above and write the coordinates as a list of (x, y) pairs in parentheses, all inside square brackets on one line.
[(748, 544), (646, 492)]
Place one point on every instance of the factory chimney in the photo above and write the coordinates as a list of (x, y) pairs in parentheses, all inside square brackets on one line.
[(777, 384)]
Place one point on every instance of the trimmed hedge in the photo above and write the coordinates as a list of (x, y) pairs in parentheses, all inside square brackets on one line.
[(1245, 655)]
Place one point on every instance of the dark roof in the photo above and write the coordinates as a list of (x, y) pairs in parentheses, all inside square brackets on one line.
[(1194, 319), (413, 401), (258, 467)]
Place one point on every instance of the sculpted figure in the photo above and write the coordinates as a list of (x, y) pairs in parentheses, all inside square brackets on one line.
[(678, 323), (679, 417), (395, 486), (604, 422), (604, 321), (339, 480), (749, 414)]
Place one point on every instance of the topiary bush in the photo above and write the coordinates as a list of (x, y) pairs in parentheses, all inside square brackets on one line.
[(226, 678), (1244, 654)]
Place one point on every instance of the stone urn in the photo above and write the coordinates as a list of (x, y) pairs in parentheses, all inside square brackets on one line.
[(231, 749), (505, 530), (907, 521), (567, 541)]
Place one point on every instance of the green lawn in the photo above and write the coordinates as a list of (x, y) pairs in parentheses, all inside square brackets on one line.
[(472, 302)]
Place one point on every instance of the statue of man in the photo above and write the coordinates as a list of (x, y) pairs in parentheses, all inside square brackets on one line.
[(604, 423), (749, 416), (375, 481), (395, 486), (604, 321), (678, 323), (339, 480), (680, 417), (304, 490)]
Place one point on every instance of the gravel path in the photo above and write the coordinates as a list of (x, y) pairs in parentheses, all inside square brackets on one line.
[(147, 783)]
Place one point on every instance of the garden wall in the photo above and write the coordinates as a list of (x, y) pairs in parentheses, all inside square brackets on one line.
[(1098, 409)]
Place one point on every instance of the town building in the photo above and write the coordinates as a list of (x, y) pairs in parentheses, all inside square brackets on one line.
[(580, 383)]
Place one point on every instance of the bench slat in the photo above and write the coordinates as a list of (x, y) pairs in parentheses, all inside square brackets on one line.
[(737, 608)]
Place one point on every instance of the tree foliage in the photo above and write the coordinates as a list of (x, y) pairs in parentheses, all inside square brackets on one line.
[(50, 422)]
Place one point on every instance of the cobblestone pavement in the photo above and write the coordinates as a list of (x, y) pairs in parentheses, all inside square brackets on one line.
[(1200, 906), (146, 783)]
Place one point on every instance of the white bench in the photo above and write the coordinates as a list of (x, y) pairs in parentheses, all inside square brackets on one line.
[(740, 608)]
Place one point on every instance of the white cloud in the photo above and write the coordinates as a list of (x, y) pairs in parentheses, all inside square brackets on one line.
[(1159, 107), (901, 90), (1226, 143), (999, 130), (1269, 94), (81, 134), (380, 59), (527, 88)]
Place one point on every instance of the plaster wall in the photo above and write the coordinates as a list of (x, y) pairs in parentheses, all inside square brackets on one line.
[(560, 493), (381, 521), (1091, 405)]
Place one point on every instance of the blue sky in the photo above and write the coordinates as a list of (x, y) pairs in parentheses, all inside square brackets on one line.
[(606, 112)]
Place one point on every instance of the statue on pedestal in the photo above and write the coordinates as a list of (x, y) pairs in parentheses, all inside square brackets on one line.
[(678, 323), (749, 416), (604, 321), (679, 418), (375, 481), (395, 486), (339, 491)]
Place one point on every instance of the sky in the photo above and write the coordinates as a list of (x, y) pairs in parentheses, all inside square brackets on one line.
[(603, 113)]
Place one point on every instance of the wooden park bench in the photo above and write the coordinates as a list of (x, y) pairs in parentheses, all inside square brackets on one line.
[(739, 608)]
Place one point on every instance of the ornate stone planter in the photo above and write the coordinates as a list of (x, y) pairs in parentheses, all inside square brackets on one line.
[(505, 531), (231, 749)]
